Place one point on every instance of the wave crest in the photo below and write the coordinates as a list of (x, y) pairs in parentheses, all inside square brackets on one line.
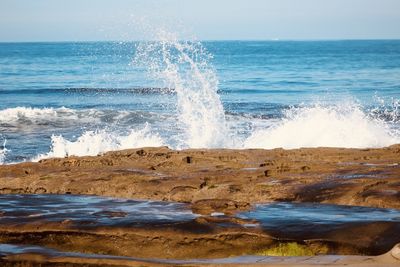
[(36, 116), (20, 117)]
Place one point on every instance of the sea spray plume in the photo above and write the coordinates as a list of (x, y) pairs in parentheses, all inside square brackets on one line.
[(184, 66), (92, 143), (343, 125)]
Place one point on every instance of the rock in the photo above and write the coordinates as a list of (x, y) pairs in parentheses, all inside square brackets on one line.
[(309, 174), (395, 252)]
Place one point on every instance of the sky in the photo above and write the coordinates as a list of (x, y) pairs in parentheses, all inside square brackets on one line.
[(95, 20)]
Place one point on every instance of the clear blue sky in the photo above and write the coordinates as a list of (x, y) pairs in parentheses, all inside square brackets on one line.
[(72, 20)]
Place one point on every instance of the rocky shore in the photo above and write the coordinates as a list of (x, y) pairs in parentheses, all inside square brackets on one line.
[(216, 186)]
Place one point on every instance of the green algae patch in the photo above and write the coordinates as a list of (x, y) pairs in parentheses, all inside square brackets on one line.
[(292, 249)]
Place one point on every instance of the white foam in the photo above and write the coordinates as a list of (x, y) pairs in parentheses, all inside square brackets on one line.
[(35, 115), (343, 125), (184, 66), (92, 143)]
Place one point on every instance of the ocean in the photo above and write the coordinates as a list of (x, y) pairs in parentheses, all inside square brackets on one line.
[(86, 98)]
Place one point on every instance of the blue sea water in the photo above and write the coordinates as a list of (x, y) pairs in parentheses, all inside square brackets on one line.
[(60, 99)]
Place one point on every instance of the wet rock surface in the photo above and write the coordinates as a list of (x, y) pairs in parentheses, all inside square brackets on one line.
[(205, 203)]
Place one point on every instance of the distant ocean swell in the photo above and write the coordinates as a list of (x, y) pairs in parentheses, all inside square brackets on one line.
[(90, 90), (133, 91)]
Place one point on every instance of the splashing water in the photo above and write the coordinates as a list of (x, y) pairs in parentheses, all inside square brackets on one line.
[(3, 152), (384, 111), (92, 143), (343, 125), (184, 66)]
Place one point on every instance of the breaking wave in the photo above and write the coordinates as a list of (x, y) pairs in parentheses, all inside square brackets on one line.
[(343, 125), (39, 116), (346, 125), (21, 117), (92, 143)]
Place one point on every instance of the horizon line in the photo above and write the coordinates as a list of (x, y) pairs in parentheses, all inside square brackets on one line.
[(210, 40)]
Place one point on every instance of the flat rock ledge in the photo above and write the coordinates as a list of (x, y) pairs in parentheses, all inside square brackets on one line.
[(220, 179)]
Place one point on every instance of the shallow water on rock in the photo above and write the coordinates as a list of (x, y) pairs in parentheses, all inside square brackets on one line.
[(90, 210), (292, 217), (107, 211)]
